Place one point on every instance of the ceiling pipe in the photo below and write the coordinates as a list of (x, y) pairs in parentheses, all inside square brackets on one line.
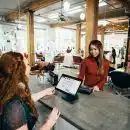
[(126, 5)]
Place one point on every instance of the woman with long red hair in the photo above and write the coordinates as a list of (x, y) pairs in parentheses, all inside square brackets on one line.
[(17, 108), (95, 67)]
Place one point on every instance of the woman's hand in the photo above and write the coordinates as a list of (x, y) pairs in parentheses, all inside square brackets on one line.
[(45, 92), (52, 119), (96, 89), (49, 91)]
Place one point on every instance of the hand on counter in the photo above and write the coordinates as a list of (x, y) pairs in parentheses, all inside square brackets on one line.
[(96, 89), (45, 92), (53, 117), (49, 91)]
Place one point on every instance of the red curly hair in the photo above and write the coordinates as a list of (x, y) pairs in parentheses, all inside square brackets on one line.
[(12, 72)]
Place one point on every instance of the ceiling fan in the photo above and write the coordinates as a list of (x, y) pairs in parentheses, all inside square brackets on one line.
[(62, 17)]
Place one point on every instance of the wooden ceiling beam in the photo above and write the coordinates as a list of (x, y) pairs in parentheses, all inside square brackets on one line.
[(39, 4), (64, 24), (118, 27), (124, 24), (14, 15), (111, 28), (69, 28), (34, 6), (83, 23)]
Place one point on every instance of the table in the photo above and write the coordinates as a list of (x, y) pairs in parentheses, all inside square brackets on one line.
[(98, 111)]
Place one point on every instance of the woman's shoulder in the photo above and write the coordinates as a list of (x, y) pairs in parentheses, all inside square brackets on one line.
[(88, 59), (15, 102), (14, 114), (107, 62)]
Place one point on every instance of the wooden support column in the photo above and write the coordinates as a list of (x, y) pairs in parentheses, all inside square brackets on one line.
[(30, 37), (128, 44), (78, 38), (91, 22), (102, 36)]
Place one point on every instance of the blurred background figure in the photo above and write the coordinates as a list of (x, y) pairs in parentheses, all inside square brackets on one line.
[(113, 55), (68, 58)]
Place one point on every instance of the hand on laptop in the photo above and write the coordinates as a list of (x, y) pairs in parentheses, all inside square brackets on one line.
[(49, 91)]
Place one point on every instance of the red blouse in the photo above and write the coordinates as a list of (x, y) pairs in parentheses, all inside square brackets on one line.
[(89, 68)]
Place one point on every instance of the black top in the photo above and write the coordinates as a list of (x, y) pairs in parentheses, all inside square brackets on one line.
[(15, 114), (113, 52)]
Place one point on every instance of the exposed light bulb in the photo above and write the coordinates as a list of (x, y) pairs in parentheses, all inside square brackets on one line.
[(20, 26), (103, 22), (82, 16), (66, 5)]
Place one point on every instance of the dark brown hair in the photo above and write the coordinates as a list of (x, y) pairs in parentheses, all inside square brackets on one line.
[(100, 57), (12, 72)]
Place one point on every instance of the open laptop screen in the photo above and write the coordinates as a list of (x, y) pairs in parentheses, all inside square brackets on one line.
[(68, 84)]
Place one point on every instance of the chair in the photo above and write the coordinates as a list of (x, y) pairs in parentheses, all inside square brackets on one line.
[(58, 59), (120, 82), (38, 73), (77, 60), (110, 70)]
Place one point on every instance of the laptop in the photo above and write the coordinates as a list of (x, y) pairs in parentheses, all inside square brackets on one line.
[(69, 86)]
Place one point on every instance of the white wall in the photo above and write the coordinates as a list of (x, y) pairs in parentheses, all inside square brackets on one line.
[(18, 38), (115, 40), (12, 39), (44, 36), (46, 39), (6, 37), (65, 38)]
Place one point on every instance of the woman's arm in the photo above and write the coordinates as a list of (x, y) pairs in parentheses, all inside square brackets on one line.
[(52, 119), (82, 70), (45, 92), (24, 127), (44, 127)]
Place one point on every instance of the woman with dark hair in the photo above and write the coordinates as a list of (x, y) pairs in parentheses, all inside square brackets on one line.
[(95, 67), (17, 108)]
